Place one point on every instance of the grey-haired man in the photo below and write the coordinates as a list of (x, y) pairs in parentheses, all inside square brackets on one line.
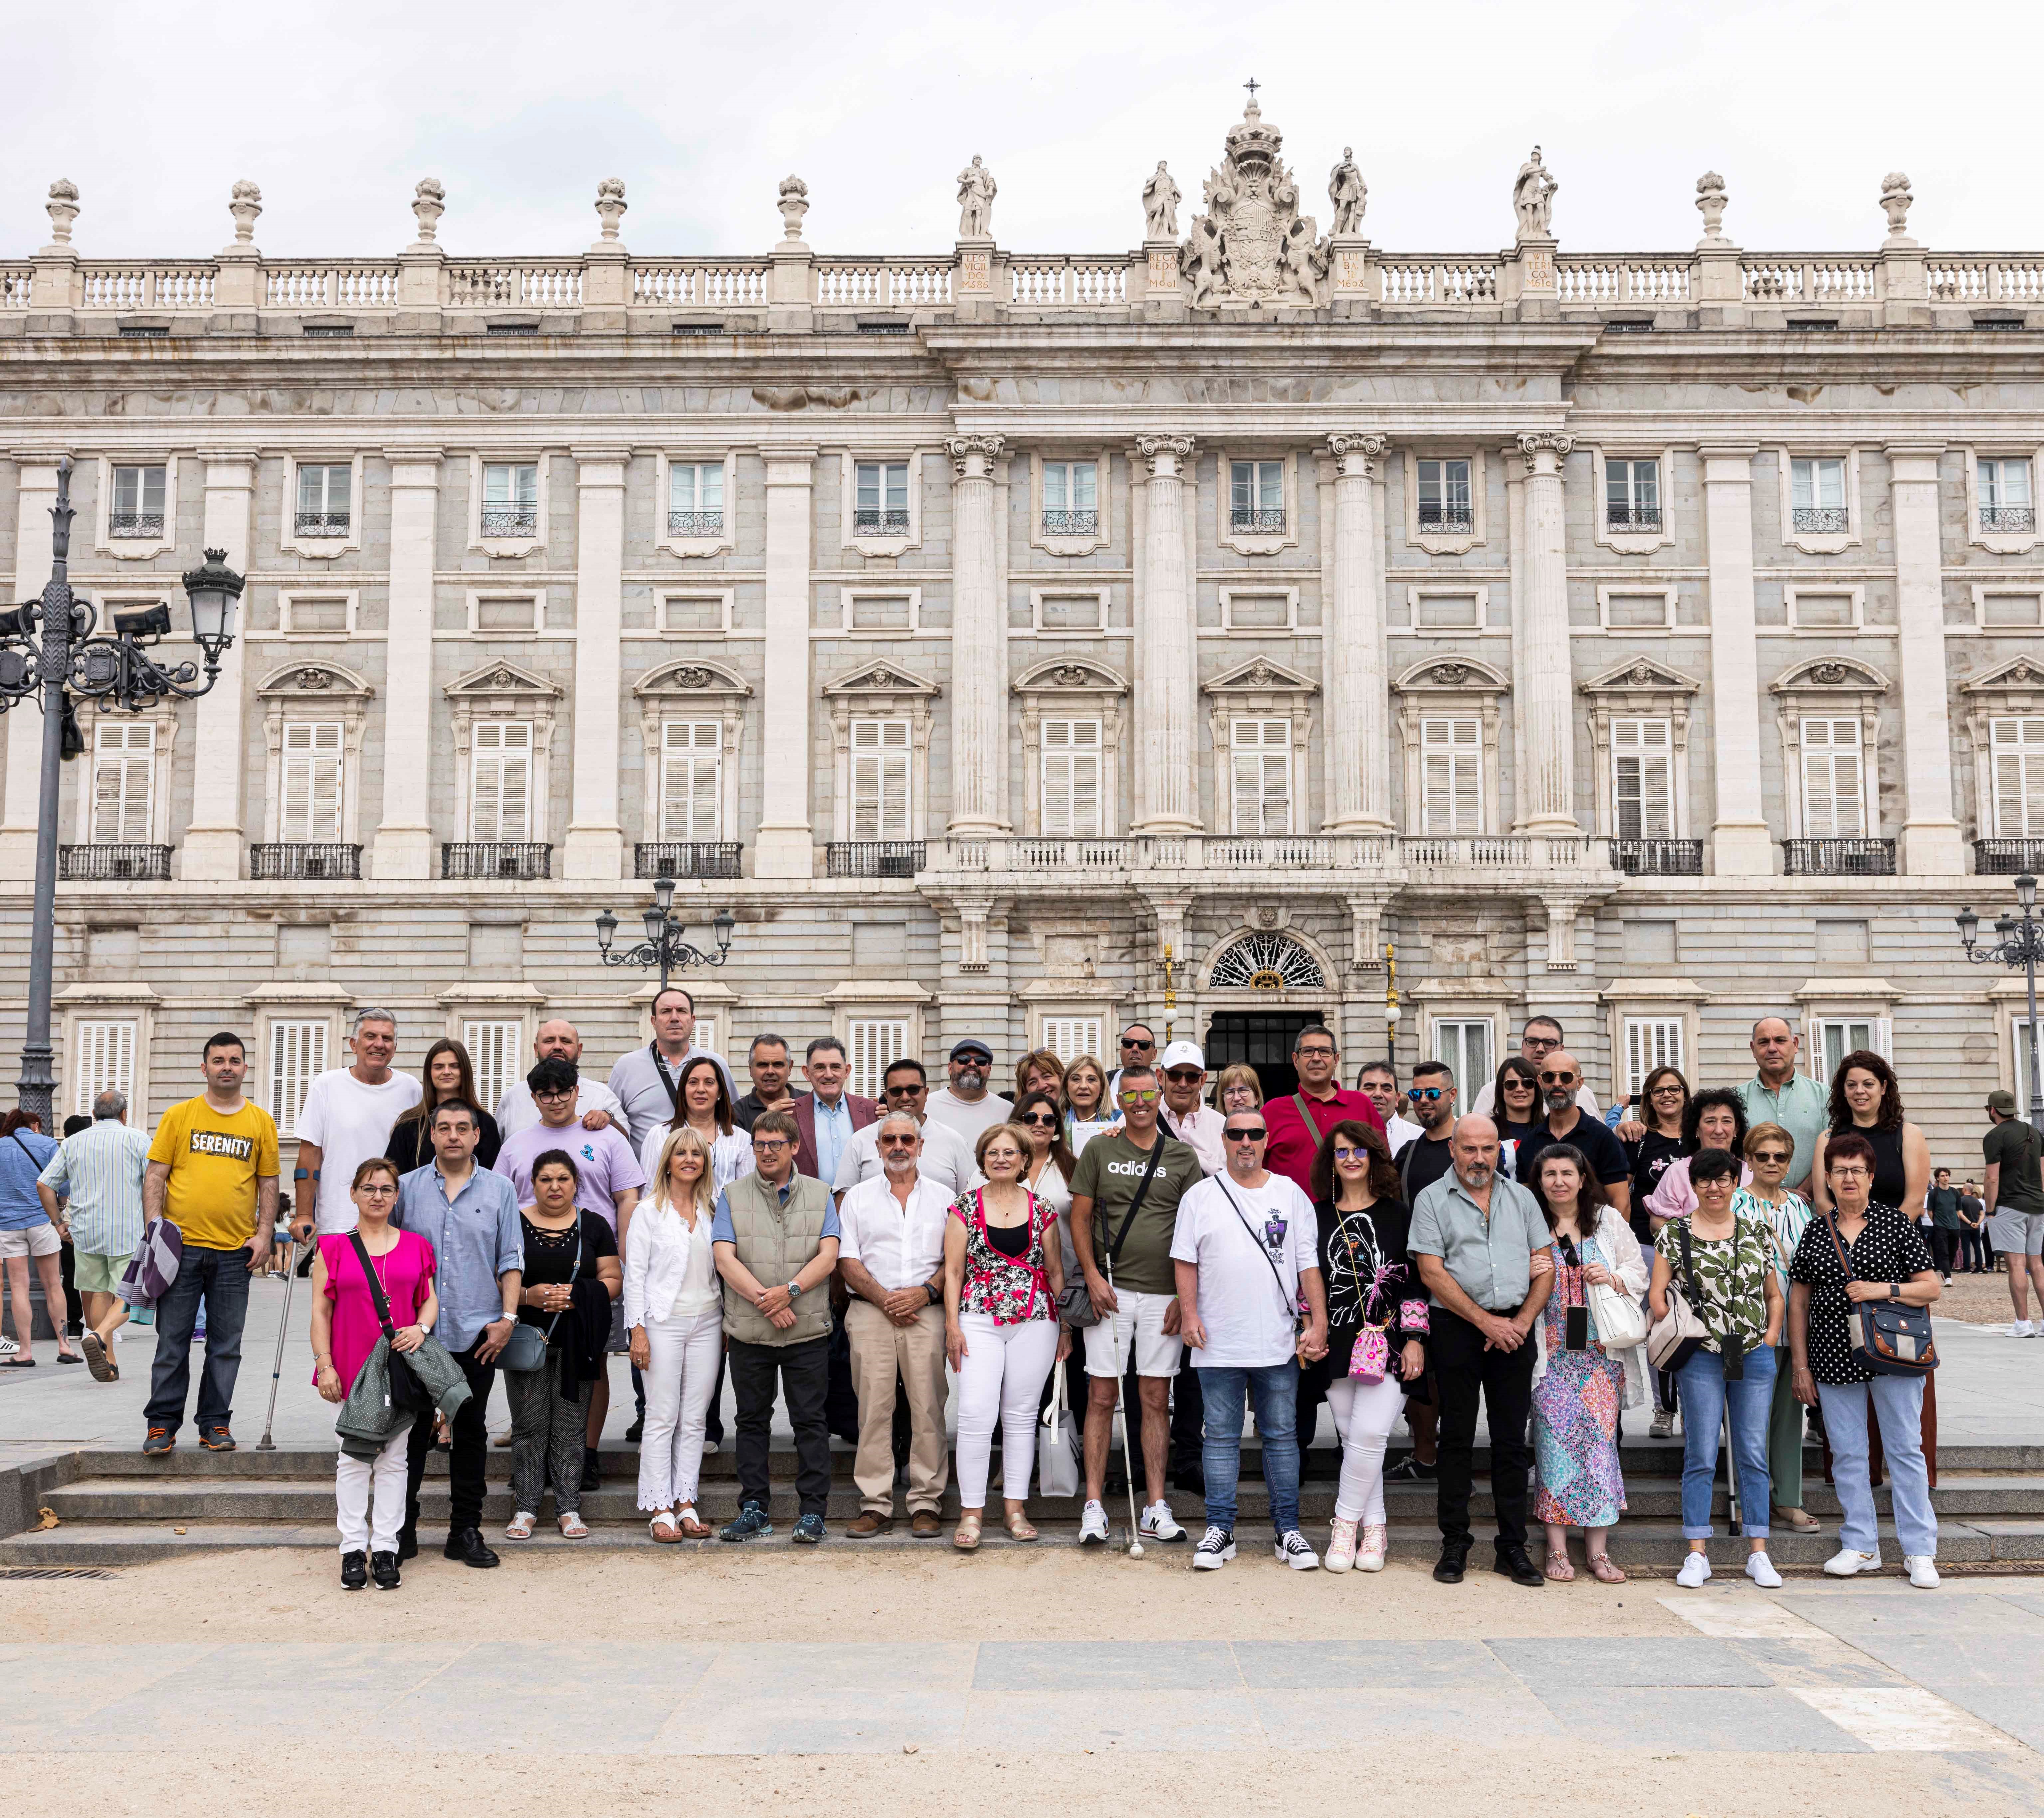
[(346, 1119)]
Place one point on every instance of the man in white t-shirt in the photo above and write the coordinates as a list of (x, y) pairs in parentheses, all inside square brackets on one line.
[(945, 1158), (965, 1105), (1245, 1249), (596, 1105), (346, 1119)]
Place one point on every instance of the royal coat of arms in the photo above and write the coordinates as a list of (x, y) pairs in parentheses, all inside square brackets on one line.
[(1252, 245)]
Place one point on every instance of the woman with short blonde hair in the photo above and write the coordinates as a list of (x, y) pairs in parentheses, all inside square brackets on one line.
[(1039, 1070), (1240, 1078), (1084, 1118)]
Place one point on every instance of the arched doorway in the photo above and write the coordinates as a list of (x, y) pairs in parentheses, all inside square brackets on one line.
[(1277, 969)]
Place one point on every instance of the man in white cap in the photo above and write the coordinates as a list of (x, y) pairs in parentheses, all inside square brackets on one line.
[(1185, 1117)]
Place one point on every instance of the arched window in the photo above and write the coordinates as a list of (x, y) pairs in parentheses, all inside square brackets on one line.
[(1266, 962)]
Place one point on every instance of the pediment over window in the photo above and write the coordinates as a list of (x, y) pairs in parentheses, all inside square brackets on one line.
[(1642, 675), (1259, 675), (2019, 675), (882, 681), (697, 679), (499, 679), (1070, 675), (1823, 673), (314, 682), (1456, 674)]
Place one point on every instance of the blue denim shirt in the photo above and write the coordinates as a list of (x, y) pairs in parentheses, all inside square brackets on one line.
[(475, 1239), (833, 1132)]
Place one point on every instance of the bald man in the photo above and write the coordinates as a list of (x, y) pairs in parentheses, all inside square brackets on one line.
[(596, 1105)]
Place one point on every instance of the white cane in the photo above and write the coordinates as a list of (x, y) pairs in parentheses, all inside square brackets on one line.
[(266, 1443), (1731, 1476), (1128, 1463)]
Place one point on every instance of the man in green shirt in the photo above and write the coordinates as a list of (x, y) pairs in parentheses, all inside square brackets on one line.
[(2015, 1207), (1139, 1169), (1778, 1094)]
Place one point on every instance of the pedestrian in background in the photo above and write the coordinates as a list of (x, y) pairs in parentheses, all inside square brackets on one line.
[(99, 1171), (30, 1236)]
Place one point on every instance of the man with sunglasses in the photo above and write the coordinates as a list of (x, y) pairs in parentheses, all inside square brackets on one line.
[(945, 1159), (1298, 1121), (966, 1104), (1138, 1048), (1426, 1158), (1197, 1126), (1538, 1039), (1561, 1081)]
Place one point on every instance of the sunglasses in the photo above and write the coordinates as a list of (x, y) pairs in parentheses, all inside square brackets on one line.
[(1255, 1135), (1139, 1098), (1772, 1155), (1342, 1152), (1040, 1120), (897, 1142), (1430, 1093), (1184, 1075), (1139, 1046), (1559, 1078)]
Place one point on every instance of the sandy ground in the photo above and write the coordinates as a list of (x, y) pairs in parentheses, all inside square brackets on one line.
[(1980, 1300)]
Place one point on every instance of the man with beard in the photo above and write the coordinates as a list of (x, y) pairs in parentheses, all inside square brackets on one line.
[(1561, 1085), (964, 1105)]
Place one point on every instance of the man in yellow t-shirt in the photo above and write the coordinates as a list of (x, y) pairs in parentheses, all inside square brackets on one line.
[(212, 1173)]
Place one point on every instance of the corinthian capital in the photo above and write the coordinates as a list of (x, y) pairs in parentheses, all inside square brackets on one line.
[(1358, 454), (1174, 448), (1533, 446), (965, 450)]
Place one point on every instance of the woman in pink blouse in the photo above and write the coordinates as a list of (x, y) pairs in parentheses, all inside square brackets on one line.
[(1714, 1119)]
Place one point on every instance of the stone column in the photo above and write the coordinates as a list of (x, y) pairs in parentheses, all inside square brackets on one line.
[(36, 493), (1352, 652), (1167, 782), (979, 644), (595, 844), (785, 846), (404, 843), (1545, 762), (1930, 837), (1741, 844), (214, 839)]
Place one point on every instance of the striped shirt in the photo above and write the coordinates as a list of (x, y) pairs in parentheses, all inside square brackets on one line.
[(101, 1170)]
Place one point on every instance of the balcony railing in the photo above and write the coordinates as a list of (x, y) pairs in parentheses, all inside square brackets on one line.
[(524, 860), (2021, 519), (510, 524), (1820, 520), (1632, 518), (1502, 852), (322, 523), (114, 864), (875, 857), (2008, 857), (122, 524), (1101, 855), (319, 861), (1657, 858), (1838, 857), (1255, 520), (1071, 523), (1453, 517), (868, 523), (695, 524), (686, 859)]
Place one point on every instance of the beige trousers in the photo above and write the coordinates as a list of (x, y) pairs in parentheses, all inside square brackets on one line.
[(880, 1349)]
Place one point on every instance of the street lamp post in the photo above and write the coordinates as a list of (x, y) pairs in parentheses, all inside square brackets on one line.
[(663, 945), (2019, 944), (1391, 1007), (48, 650)]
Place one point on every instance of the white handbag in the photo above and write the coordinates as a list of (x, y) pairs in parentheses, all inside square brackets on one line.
[(1621, 1320), (1057, 1445)]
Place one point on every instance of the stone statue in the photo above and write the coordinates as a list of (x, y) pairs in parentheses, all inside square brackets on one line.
[(1348, 192), (428, 203), (610, 205), (976, 193), (1252, 244), (1895, 197), (1160, 205), (1711, 200), (793, 205), (1533, 197), (63, 210), (246, 204)]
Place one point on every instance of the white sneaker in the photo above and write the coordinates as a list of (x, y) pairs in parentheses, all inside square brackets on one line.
[(1291, 1550), (1093, 1526), (1760, 1569), (1695, 1573), (2020, 1328), (8, 1347), (1156, 1524), (1846, 1563), (1215, 1549), (1923, 1572), (1341, 1546)]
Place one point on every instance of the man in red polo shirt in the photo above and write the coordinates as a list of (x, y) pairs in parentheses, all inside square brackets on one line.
[(1297, 1129)]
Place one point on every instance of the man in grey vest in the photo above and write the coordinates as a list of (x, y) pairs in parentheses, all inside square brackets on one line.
[(775, 1239)]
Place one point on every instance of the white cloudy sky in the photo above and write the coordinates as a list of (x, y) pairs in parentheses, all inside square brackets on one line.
[(154, 110)]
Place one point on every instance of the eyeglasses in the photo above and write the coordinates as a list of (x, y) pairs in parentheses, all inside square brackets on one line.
[(376, 1191), (1040, 1120), (1542, 1042), (1429, 1093), (1255, 1135), (770, 1142), (1847, 1171), (1343, 1153), (550, 1096), (1140, 1047), (1184, 1075), (1670, 1090), (1559, 1078), (1772, 1155), (897, 1142), (1134, 1098), (1316, 1053)]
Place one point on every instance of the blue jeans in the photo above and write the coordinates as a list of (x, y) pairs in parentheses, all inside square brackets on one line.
[(219, 1279), (1276, 1389), (1898, 1403), (1705, 1396)]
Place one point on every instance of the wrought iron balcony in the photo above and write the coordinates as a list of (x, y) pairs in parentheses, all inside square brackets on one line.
[(1657, 858), (1263, 519), (322, 523), (1838, 857), (1071, 523), (697, 523), (868, 523), (1820, 520), (875, 858), (1455, 516), (686, 859), (1632, 518), (2008, 857), (2021, 519), (524, 860), (300, 860), (114, 864), (510, 524), (124, 524)]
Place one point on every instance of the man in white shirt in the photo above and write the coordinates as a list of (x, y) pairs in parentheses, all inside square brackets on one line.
[(964, 1104), (1245, 1249), (946, 1157), (1192, 1123), (596, 1105), (891, 1256), (346, 1119), (1539, 1038), (646, 1080), (1378, 1082)]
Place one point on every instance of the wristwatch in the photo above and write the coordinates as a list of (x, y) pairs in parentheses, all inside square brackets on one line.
[(794, 1292), (936, 1293)]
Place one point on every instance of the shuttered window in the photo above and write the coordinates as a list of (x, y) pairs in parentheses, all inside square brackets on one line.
[(297, 1052), (691, 775), (874, 1041), (1261, 757), (105, 1062), (1833, 805), (1838, 1037), (311, 783), (1072, 779), (123, 770), (1070, 1037), (2016, 748), (496, 1049), (501, 787), (1650, 1041), (1451, 776), (1642, 779), (880, 779)]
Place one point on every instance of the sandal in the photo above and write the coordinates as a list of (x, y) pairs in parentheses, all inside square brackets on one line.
[(1800, 1520), (572, 1527), (1019, 1526), (520, 1525), (693, 1527), (965, 1538), (1607, 1573), (1558, 1569), (666, 1529)]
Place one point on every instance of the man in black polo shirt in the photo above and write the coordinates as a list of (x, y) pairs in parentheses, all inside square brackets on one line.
[(1561, 1078), (1423, 1160)]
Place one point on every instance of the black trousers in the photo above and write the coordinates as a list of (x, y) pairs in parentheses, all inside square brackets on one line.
[(468, 1451), (1943, 1243), (801, 1373), (841, 1393), (1504, 1379)]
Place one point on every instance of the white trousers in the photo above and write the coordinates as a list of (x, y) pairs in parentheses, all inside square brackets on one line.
[(351, 1479), (679, 1377), (1002, 1377), (1365, 1413)]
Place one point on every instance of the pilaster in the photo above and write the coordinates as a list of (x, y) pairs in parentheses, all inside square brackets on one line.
[(786, 846), (214, 839), (1352, 648), (1167, 782), (404, 843), (595, 842), (36, 495), (1741, 846), (1931, 836), (1546, 760), (979, 644)]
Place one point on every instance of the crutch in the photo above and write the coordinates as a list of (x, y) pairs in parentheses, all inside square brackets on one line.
[(1128, 1464), (266, 1443)]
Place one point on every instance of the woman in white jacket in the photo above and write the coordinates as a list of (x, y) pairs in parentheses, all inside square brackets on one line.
[(1578, 1384), (674, 1311)]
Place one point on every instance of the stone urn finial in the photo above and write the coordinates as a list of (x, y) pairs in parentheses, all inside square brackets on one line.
[(610, 204), (62, 207), (428, 203), (1895, 197), (245, 206), (1710, 201), (794, 204)]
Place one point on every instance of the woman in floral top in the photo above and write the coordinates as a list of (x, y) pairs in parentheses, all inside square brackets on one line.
[(1724, 1262), (1002, 1330), (1770, 1151)]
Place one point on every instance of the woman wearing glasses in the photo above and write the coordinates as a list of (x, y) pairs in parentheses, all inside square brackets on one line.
[(1516, 1092), (1239, 1089), (1770, 1151), (1716, 1119), (1664, 1140)]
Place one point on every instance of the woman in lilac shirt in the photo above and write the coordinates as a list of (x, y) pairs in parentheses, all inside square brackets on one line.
[(1714, 1119)]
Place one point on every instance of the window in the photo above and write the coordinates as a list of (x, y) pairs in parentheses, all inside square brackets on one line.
[(873, 1041), (1261, 756), (104, 1062), (1466, 1046), (1444, 496), (496, 1049), (691, 779), (511, 500), (124, 770), (695, 498), (880, 765), (1071, 498), (2019, 1031), (1833, 806), (500, 802), (325, 493), (1070, 1037), (2005, 500), (2016, 752), (1451, 776), (1256, 496), (1650, 1041), (138, 502), (1838, 1037), (1642, 777), (881, 502), (311, 783), (1632, 494), (1072, 779), (297, 1052), (1817, 496)]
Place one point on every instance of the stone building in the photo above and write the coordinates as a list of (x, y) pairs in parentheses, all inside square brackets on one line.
[(1010, 641)]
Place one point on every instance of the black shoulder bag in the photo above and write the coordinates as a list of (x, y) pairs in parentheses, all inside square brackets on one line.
[(408, 1394), (1263, 1250), (1075, 1305)]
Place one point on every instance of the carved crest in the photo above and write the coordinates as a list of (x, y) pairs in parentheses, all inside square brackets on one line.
[(1252, 245)]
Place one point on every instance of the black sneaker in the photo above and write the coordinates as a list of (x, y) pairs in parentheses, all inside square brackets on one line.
[(750, 1522), (217, 1438), (1409, 1470), (810, 1531), (157, 1441), (353, 1571), (1215, 1549), (592, 1472), (384, 1566), (636, 1431)]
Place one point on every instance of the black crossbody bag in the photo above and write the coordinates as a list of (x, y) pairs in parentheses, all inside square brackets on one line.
[(1263, 1250), (408, 1394)]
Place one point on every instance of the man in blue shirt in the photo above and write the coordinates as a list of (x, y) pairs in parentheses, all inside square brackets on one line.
[(470, 1216)]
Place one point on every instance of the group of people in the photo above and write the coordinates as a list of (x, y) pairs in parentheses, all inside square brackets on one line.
[(1387, 1254)]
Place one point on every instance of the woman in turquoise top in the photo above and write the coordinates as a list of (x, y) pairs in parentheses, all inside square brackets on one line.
[(1770, 1152)]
